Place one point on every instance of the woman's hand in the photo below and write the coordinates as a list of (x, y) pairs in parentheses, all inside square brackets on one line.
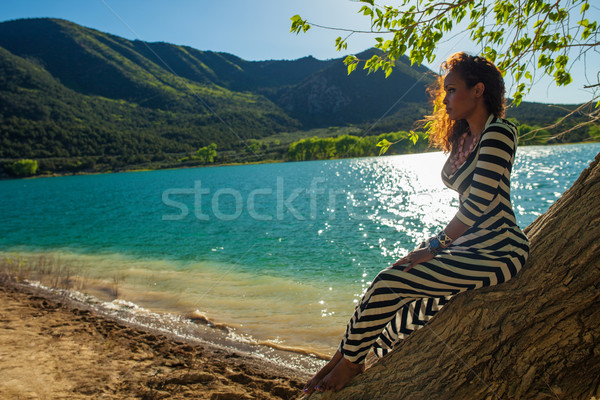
[(413, 258)]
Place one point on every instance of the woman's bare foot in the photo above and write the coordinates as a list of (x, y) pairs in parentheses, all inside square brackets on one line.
[(341, 374), (310, 385)]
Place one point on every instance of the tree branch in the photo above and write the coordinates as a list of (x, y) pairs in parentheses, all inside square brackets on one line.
[(593, 117)]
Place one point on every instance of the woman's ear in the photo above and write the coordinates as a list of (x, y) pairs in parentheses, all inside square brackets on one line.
[(479, 89)]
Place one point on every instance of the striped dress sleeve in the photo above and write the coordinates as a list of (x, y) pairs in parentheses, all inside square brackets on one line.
[(497, 148)]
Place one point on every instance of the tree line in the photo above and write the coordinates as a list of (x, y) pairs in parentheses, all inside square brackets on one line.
[(345, 146)]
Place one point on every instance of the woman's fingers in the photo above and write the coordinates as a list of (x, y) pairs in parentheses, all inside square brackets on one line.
[(401, 261), (411, 264), (413, 258)]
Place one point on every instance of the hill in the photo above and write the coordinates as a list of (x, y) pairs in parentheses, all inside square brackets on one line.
[(77, 98), (88, 66), (72, 92), (332, 97)]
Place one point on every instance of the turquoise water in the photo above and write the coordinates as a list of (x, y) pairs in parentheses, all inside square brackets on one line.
[(280, 252)]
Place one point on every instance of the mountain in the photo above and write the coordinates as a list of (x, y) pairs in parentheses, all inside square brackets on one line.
[(332, 97), (155, 75), (69, 91), (73, 93), (93, 63)]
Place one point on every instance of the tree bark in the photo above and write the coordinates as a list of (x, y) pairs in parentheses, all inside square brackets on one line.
[(534, 337)]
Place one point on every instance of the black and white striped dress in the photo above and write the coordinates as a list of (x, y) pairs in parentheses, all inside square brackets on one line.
[(490, 252)]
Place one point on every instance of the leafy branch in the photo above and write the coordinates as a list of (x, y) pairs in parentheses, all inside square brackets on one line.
[(522, 37), (587, 109), (386, 144)]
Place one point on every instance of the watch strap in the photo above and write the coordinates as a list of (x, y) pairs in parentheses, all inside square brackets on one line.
[(444, 239)]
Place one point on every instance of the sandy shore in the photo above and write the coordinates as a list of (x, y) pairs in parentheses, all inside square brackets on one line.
[(54, 348)]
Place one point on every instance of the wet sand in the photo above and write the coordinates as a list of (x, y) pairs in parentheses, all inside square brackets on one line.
[(54, 348)]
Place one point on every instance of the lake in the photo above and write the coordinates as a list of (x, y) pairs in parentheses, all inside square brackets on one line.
[(279, 253)]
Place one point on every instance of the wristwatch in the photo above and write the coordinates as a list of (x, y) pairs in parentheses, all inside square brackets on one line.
[(434, 246)]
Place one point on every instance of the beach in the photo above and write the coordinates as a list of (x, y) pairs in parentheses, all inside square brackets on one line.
[(53, 347)]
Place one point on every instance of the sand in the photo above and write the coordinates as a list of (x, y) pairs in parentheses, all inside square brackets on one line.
[(50, 348)]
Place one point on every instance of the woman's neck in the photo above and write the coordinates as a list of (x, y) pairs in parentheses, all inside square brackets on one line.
[(477, 120)]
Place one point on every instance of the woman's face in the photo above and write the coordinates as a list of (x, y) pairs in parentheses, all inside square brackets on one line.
[(460, 100)]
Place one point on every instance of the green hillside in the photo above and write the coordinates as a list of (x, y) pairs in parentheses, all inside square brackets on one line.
[(331, 97), (68, 91), (73, 98), (42, 118)]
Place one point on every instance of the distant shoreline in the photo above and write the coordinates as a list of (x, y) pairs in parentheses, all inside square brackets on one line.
[(232, 164), (78, 173)]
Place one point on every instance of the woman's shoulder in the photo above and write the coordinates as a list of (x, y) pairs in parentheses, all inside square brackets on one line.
[(501, 126)]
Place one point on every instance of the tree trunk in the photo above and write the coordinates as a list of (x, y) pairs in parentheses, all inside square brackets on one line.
[(534, 337)]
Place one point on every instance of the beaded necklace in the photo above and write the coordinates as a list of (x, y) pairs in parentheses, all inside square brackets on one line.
[(460, 156)]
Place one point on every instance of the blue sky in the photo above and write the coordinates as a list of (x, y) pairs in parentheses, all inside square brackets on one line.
[(252, 30)]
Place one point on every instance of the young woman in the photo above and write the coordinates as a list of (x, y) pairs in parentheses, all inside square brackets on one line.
[(481, 246)]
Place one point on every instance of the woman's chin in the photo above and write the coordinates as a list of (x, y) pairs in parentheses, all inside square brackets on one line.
[(454, 117)]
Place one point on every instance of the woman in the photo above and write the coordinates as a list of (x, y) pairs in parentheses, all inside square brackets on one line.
[(481, 246)]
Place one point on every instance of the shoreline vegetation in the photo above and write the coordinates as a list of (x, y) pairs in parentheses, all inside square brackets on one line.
[(323, 144), (70, 338)]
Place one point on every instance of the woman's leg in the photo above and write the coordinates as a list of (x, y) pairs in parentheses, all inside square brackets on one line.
[(408, 319), (394, 301), (336, 375), (433, 283)]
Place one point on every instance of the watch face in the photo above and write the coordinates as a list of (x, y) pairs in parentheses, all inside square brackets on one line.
[(434, 243)]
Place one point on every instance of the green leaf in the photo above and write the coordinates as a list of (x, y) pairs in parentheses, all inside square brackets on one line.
[(350, 59), (298, 24), (385, 145), (352, 67), (366, 10), (584, 7), (414, 137), (388, 71)]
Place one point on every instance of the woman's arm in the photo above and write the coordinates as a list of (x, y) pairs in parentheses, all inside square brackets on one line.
[(496, 150), (497, 147), (454, 230)]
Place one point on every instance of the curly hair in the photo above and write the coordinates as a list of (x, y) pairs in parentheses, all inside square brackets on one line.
[(444, 132)]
